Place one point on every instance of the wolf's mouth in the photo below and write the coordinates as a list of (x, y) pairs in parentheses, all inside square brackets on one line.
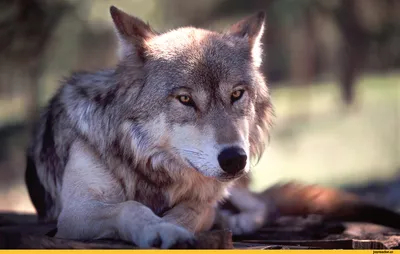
[(225, 177), (192, 165)]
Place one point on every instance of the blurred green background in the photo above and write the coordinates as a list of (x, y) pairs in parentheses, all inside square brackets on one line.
[(332, 65)]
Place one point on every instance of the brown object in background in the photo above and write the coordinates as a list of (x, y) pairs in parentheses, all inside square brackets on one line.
[(295, 199)]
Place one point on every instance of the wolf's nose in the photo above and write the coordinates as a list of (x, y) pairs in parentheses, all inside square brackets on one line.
[(232, 160)]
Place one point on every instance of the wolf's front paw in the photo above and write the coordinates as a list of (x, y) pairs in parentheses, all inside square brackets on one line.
[(243, 223), (249, 221), (165, 235)]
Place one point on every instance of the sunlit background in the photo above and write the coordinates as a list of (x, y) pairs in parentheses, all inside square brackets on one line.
[(332, 65)]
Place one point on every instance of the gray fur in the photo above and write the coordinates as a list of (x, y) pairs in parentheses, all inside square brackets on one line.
[(114, 117)]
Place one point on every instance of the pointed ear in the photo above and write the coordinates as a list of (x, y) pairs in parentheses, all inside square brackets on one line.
[(251, 28), (132, 32)]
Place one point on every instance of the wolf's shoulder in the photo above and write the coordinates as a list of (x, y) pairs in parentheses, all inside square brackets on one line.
[(85, 85), (88, 79)]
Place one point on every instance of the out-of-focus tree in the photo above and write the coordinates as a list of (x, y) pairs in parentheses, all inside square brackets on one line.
[(362, 23), (26, 27)]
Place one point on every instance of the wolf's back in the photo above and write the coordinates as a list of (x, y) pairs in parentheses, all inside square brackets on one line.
[(40, 197), (46, 159)]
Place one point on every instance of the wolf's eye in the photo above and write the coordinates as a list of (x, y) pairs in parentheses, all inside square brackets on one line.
[(186, 100), (236, 95)]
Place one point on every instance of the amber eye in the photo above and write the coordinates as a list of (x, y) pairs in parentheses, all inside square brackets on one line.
[(236, 95), (186, 100)]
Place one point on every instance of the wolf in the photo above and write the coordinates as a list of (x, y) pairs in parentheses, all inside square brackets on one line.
[(145, 151), (152, 150)]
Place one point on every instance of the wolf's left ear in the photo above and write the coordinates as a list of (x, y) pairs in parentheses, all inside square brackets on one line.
[(132, 32), (251, 28)]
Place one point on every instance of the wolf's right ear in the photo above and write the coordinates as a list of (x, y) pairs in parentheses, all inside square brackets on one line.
[(132, 32), (251, 28)]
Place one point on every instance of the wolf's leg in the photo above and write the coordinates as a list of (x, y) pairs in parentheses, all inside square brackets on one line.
[(129, 221), (254, 213), (93, 207), (193, 217)]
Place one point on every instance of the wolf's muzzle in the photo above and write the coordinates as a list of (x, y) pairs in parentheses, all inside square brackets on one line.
[(232, 160)]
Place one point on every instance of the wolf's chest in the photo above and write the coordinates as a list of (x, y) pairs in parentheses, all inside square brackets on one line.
[(152, 197), (188, 187)]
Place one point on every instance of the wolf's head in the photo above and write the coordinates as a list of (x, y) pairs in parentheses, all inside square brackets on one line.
[(202, 97)]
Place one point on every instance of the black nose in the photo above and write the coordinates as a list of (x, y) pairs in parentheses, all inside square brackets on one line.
[(232, 160)]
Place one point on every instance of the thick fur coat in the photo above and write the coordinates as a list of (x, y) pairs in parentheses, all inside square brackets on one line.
[(145, 152)]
